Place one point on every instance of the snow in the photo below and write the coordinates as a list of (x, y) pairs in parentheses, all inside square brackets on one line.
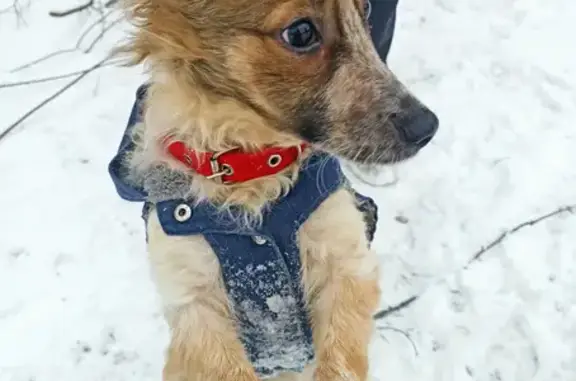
[(76, 299)]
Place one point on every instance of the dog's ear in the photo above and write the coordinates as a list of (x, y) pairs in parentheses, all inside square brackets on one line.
[(187, 30), (162, 30)]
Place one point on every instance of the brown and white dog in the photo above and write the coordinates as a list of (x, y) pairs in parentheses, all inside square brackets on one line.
[(250, 74)]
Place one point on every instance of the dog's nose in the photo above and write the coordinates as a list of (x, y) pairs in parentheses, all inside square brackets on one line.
[(416, 125)]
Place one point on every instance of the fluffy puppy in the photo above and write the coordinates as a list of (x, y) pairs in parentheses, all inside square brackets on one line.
[(246, 75)]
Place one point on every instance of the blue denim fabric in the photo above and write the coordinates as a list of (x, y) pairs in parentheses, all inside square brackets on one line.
[(382, 22), (117, 169)]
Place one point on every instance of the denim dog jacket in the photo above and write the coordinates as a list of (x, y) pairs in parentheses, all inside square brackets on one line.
[(260, 265)]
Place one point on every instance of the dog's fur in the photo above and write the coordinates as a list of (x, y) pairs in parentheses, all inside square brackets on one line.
[(220, 78)]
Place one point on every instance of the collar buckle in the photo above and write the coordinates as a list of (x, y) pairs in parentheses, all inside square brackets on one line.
[(219, 170)]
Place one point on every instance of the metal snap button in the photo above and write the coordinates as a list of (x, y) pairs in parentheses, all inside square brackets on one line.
[(259, 240), (182, 213)]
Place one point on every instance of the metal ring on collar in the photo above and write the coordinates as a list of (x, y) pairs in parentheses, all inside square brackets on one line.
[(274, 160)]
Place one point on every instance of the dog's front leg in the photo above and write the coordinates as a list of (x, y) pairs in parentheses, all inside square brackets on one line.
[(205, 347), (344, 312), (204, 344), (341, 281)]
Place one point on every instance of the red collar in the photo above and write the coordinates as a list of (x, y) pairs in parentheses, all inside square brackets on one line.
[(235, 166)]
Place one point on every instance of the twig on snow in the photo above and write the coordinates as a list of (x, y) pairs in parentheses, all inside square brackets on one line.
[(71, 11), (43, 79), (506, 233), (100, 20), (11, 128), (101, 35), (110, 3), (484, 249), (41, 59), (79, 42), (403, 333), (17, 9), (400, 306)]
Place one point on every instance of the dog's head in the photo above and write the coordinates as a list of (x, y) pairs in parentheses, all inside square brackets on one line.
[(308, 67)]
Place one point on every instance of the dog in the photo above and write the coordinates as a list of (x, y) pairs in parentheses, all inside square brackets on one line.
[(259, 246)]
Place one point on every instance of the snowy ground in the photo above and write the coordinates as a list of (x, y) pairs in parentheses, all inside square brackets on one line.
[(76, 301)]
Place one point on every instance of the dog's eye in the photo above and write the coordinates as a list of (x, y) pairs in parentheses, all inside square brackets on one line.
[(301, 36), (367, 9)]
